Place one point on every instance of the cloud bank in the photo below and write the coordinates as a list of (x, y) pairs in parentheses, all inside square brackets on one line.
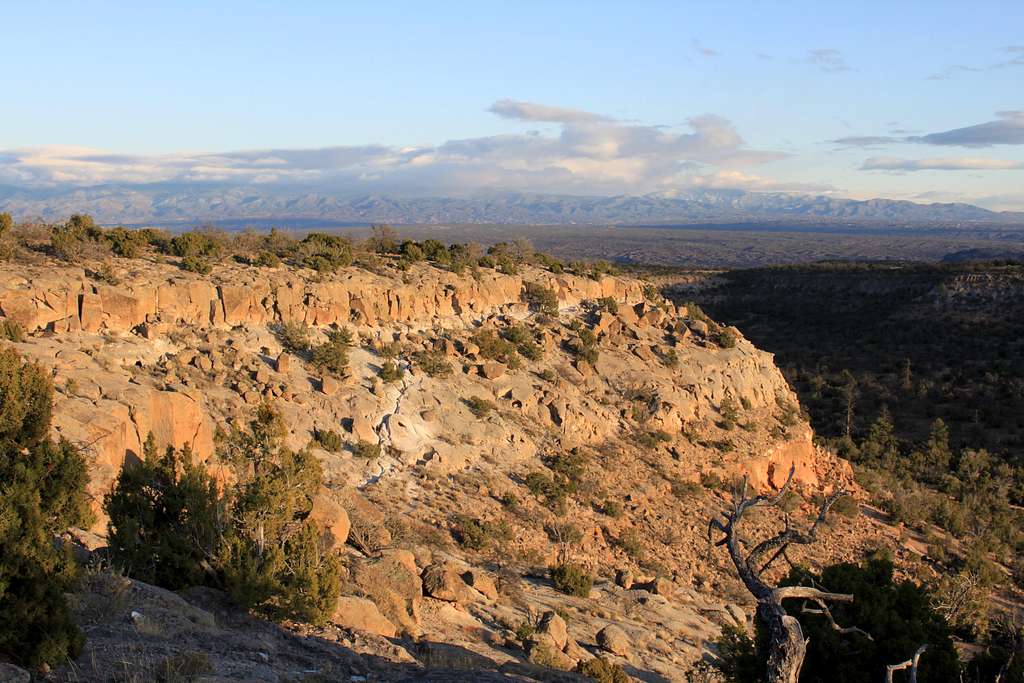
[(1006, 129), (589, 153), (950, 164)]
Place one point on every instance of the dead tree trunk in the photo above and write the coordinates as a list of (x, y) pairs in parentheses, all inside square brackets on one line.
[(911, 663), (785, 636)]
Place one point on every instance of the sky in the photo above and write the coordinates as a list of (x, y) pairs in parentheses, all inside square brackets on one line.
[(905, 100)]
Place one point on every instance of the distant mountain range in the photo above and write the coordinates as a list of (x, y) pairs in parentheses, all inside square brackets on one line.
[(170, 204)]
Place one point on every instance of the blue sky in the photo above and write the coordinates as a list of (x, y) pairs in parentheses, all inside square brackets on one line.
[(582, 97)]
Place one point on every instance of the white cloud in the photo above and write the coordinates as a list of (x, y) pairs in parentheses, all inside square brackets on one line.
[(945, 164), (590, 153), (1007, 129), (532, 111)]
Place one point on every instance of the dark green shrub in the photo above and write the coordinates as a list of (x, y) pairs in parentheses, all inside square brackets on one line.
[(595, 270), (480, 407), (256, 540), (127, 243), (572, 579), (199, 245), (898, 615), (670, 358), (601, 670), (567, 470), (550, 262), (525, 630), (738, 657), (477, 534), (608, 303), (541, 298), (43, 485), (328, 439), (652, 439), (462, 256), (524, 341), (612, 508), (12, 331), (631, 543), (584, 347), (390, 372), (726, 338), (267, 259), (553, 491), (383, 239), (846, 506), (411, 251), (279, 243), (435, 251), (326, 253), (367, 450), (293, 335), (196, 264), (434, 363), (571, 465), (165, 518), (494, 347), (390, 351), (7, 243), (70, 238), (729, 412), (685, 489), (331, 357), (789, 414), (695, 312)]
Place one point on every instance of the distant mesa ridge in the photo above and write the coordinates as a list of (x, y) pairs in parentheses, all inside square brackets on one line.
[(179, 203)]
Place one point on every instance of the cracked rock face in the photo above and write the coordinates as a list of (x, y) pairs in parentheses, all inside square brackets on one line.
[(215, 355), (177, 356)]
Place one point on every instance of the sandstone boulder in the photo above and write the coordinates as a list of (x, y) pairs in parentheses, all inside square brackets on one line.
[(443, 582), (661, 586), (613, 639), (491, 370), (363, 615), (395, 590), (544, 651), (554, 626), (573, 650), (329, 385), (331, 517), (283, 362), (481, 582)]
